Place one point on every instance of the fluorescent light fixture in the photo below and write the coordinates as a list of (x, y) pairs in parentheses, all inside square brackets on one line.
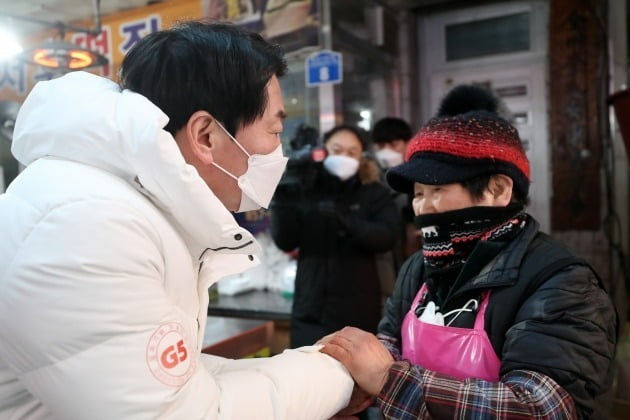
[(9, 46)]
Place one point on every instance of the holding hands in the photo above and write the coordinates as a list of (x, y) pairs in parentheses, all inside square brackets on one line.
[(367, 360)]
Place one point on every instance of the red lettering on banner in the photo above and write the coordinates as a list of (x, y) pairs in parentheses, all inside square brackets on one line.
[(100, 43)]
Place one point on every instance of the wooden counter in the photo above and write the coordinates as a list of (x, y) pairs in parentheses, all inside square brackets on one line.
[(257, 306), (237, 338)]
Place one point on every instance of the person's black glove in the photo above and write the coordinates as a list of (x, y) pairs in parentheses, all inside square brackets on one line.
[(340, 213)]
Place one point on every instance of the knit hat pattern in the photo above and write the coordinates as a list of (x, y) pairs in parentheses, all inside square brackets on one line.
[(457, 148)]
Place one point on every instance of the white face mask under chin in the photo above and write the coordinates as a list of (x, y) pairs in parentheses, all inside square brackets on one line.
[(261, 178), (389, 158), (341, 166)]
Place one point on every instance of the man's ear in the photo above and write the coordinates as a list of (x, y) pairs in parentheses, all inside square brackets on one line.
[(201, 136), (500, 186)]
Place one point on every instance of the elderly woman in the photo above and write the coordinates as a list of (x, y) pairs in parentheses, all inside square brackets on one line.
[(493, 319)]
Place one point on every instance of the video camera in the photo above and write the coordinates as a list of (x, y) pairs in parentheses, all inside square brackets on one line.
[(304, 158), (304, 146)]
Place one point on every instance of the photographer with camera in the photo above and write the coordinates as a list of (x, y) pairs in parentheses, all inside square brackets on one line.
[(339, 216), (304, 157)]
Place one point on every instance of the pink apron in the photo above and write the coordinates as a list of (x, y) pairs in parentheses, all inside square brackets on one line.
[(458, 352)]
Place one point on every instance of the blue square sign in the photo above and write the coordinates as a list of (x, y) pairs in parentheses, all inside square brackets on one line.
[(323, 67)]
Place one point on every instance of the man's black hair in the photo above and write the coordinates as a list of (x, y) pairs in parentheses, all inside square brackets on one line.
[(389, 129), (358, 132), (216, 67)]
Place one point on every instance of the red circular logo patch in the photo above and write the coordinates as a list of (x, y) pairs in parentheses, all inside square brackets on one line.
[(169, 356)]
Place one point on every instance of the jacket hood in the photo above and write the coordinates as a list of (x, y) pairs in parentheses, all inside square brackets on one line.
[(369, 172), (88, 119)]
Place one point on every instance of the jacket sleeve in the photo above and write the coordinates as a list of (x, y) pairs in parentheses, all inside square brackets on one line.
[(571, 322), (291, 385), (412, 392), (95, 335)]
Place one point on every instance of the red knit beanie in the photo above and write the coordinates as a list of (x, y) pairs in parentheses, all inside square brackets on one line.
[(457, 148)]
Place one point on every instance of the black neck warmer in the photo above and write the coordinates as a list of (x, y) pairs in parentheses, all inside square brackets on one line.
[(449, 237)]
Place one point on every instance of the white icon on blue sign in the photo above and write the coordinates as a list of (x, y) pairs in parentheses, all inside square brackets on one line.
[(323, 67)]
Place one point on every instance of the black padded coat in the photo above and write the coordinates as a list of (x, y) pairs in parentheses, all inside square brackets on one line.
[(548, 313)]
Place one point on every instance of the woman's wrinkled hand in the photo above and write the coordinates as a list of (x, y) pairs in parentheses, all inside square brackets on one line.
[(367, 360)]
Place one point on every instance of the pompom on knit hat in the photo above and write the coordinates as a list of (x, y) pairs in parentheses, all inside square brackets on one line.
[(456, 148)]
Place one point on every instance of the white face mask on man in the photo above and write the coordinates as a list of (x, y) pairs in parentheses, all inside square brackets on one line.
[(341, 166), (261, 178), (389, 158)]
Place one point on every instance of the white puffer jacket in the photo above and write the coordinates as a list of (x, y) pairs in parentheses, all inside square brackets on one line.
[(108, 244)]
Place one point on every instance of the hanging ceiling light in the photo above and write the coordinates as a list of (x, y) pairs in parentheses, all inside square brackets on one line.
[(63, 55)]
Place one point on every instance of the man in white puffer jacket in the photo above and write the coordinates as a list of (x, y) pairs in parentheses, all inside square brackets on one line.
[(121, 221)]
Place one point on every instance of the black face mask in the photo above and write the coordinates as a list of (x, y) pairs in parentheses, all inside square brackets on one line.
[(449, 237)]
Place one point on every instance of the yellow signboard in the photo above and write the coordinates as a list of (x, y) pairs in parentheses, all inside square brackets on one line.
[(119, 33), (291, 23)]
